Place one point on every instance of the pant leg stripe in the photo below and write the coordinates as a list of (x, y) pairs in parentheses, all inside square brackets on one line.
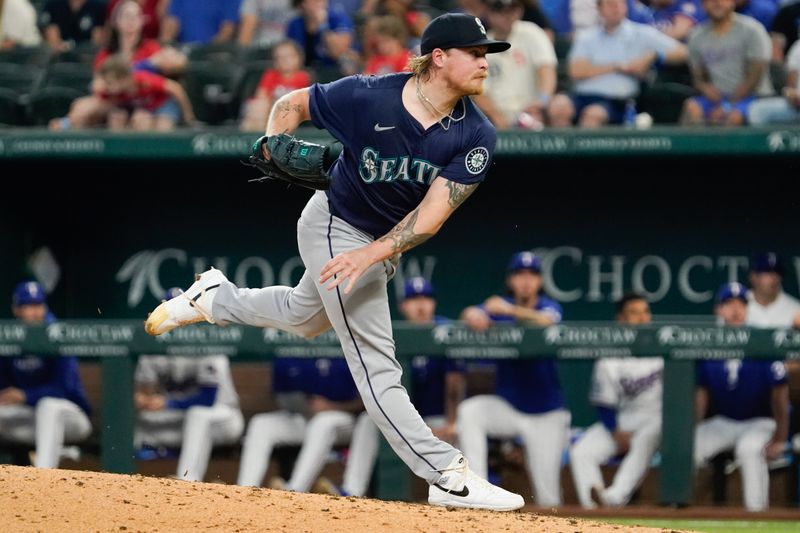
[(361, 358)]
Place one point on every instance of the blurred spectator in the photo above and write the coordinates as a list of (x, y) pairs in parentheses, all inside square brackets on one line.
[(437, 387), (527, 402), (784, 29), (18, 24), (325, 35), (390, 54), (152, 13), (627, 393), (124, 39), (762, 10), (413, 16), (522, 80), (676, 18), (263, 22), (42, 401), (784, 109), (67, 23), (743, 406), (318, 403), (728, 58), (768, 305), (127, 39), (141, 100), (607, 65), (193, 22), (286, 75), (570, 18), (188, 402)]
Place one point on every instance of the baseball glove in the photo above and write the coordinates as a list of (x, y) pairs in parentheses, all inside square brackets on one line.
[(292, 160)]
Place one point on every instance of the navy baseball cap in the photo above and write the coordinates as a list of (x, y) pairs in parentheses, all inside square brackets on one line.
[(418, 286), (525, 261), (458, 30), (28, 293), (767, 262), (731, 290), (172, 293)]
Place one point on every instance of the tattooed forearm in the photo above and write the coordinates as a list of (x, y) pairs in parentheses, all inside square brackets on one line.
[(459, 192), (282, 109), (403, 236)]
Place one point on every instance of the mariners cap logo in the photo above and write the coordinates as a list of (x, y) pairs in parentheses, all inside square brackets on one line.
[(476, 160), (480, 25)]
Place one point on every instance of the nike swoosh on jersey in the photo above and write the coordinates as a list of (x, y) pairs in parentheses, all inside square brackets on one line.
[(462, 493), (378, 127)]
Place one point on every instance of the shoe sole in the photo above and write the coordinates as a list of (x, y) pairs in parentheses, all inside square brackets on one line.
[(466, 505)]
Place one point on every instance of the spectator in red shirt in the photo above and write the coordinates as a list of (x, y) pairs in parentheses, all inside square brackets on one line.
[(390, 55), (141, 100), (286, 76)]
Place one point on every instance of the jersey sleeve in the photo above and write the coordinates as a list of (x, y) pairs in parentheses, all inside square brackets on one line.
[(471, 165), (332, 106), (552, 308), (604, 390)]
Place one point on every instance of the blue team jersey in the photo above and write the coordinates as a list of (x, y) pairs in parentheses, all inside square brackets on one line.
[(44, 377), (530, 385), (691, 9), (322, 376), (740, 389), (388, 160), (428, 380)]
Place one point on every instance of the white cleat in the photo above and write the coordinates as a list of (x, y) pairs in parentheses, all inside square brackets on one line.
[(192, 306), (460, 487)]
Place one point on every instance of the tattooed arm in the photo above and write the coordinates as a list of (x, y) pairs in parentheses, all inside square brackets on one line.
[(443, 198), (289, 111)]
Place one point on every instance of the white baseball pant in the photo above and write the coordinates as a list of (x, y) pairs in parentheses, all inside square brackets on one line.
[(195, 430), (545, 437), (747, 438), (596, 446), (49, 425), (318, 435)]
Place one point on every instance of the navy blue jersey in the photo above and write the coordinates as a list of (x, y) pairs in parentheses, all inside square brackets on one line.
[(530, 385), (325, 377), (44, 377), (388, 160), (740, 389), (428, 380)]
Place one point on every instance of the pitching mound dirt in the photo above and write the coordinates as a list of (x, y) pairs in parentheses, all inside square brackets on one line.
[(67, 500)]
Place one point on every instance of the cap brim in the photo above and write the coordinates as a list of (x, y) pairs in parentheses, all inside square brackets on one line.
[(492, 45)]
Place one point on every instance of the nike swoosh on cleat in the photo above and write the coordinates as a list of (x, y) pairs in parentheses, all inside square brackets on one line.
[(462, 493), (378, 127)]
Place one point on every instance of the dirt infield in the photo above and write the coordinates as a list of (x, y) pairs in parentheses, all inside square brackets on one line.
[(67, 500)]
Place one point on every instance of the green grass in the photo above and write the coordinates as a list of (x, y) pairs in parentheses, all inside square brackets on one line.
[(713, 526)]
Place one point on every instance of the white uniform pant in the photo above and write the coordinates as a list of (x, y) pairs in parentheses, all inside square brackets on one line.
[(363, 324), (364, 451), (747, 439), (544, 435), (53, 422), (196, 430), (596, 446), (318, 435)]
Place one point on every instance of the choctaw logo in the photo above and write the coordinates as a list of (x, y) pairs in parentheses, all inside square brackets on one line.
[(476, 160)]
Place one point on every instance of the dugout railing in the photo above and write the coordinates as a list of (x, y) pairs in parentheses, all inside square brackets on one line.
[(116, 344)]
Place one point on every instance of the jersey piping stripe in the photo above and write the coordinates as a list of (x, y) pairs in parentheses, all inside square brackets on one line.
[(361, 359)]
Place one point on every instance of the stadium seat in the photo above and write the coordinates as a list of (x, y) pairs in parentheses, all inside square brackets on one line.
[(75, 75), (10, 111), (562, 45), (22, 80), (50, 102), (250, 54), (211, 88), (217, 53), (82, 53), (251, 75), (664, 101), (27, 55), (674, 74)]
